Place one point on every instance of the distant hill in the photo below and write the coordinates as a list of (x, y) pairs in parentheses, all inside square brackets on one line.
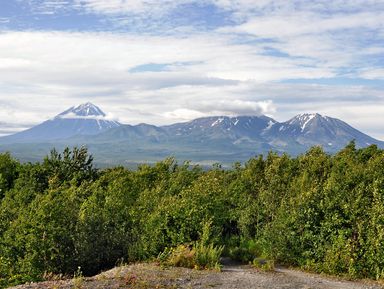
[(204, 140)]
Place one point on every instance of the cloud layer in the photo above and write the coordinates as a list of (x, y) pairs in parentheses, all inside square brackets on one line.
[(146, 62)]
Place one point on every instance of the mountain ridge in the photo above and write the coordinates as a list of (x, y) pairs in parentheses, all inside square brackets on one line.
[(213, 138)]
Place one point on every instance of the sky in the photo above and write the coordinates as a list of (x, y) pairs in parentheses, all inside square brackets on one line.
[(162, 62)]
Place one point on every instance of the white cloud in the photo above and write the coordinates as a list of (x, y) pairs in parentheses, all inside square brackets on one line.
[(151, 7), (183, 114), (331, 41), (102, 61), (42, 73), (373, 73), (72, 115), (243, 8), (47, 7), (236, 107), (325, 34), (229, 70), (305, 22), (233, 107)]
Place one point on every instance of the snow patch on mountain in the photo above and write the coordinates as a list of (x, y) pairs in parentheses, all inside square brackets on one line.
[(306, 121), (218, 121), (85, 109), (302, 120), (270, 124)]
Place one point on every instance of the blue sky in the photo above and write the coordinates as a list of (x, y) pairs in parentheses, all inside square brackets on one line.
[(166, 61)]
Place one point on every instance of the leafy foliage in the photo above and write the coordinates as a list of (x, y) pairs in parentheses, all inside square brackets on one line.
[(320, 212), (9, 170)]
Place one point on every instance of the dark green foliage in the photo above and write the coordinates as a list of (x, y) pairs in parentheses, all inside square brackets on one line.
[(105, 230), (9, 170), (316, 211), (72, 165)]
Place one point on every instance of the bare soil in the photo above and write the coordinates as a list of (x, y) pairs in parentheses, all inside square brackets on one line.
[(232, 276)]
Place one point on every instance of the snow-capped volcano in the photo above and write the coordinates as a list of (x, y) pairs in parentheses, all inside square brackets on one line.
[(310, 129), (85, 119), (85, 110)]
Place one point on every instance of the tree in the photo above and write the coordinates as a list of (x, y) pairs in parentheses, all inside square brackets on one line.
[(9, 170), (72, 165)]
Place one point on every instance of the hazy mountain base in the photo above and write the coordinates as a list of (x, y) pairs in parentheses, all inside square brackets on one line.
[(130, 154)]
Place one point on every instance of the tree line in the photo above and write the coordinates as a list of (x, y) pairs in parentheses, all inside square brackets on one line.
[(317, 211)]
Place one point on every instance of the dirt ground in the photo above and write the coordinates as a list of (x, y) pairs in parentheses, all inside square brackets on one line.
[(232, 276)]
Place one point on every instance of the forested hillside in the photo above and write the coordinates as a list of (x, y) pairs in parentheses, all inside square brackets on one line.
[(317, 211)]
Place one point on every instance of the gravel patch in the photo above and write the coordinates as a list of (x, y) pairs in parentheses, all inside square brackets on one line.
[(232, 277)]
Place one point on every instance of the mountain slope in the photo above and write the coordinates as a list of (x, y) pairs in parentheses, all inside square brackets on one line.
[(128, 133), (224, 129), (85, 119)]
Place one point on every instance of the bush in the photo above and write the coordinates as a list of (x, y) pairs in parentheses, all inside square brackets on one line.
[(198, 256)]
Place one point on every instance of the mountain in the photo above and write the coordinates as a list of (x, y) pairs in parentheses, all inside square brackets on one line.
[(85, 119), (204, 140), (307, 130)]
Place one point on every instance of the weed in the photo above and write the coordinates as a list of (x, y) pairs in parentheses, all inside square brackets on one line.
[(264, 264), (208, 256), (198, 256), (49, 276), (78, 279), (182, 256)]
